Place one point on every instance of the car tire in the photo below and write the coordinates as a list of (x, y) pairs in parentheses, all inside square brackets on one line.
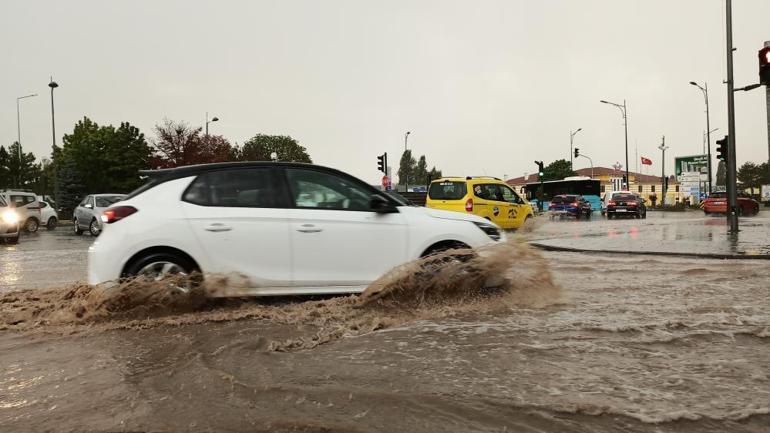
[(158, 264), (52, 223), (78, 230), (609, 216), (31, 225), (93, 228)]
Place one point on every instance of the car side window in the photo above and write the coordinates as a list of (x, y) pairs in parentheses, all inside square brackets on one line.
[(244, 187), (317, 189), (509, 195), (85, 200), (43, 205), (487, 191)]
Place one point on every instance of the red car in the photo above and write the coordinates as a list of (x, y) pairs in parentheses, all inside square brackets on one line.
[(717, 203)]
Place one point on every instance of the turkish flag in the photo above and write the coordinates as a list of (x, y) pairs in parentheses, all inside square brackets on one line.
[(646, 161)]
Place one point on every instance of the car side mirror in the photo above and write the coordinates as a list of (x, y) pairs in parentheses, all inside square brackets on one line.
[(380, 204), (89, 206)]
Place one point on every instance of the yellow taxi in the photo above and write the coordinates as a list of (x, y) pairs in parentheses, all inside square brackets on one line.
[(487, 197)]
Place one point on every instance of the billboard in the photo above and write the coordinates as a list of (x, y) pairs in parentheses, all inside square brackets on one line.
[(690, 164)]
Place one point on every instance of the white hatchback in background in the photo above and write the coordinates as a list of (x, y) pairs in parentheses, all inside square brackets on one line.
[(281, 228), (48, 214)]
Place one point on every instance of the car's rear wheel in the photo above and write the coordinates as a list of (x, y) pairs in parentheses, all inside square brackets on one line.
[(76, 225), (31, 225), (157, 266), (52, 223), (94, 228)]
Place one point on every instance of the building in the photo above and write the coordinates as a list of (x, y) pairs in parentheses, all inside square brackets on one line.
[(610, 179)]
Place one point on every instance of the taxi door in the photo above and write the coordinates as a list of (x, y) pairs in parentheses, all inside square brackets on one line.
[(486, 202), (516, 211)]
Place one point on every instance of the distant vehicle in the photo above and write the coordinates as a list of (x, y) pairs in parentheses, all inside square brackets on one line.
[(48, 214), (86, 215), (624, 203), (717, 203), (487, 197), (27, 207), (286, 228), (9, 223), (583, 186), (399, 198), (570, 205)]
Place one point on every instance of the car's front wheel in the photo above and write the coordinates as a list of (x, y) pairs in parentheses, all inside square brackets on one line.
[(31, 225), (94, 228), (158, 266), (52, 223), (76, 225)]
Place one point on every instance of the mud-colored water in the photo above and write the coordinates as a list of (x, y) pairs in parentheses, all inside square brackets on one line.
[(510, 340)]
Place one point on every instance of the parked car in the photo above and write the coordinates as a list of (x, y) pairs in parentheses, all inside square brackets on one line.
[(48, 214), (487, 197), (625, 203), (27, 207), (9, 223), (86, 215), (717, 203), (285, 228), (570, 205)]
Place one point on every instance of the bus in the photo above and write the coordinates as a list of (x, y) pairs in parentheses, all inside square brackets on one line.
[(589, 188)]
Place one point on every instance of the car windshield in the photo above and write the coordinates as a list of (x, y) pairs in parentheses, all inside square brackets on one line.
[(447, 190), (623, 196), (108, 200)]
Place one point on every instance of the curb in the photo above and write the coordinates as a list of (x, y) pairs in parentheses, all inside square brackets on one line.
[(654, 253)]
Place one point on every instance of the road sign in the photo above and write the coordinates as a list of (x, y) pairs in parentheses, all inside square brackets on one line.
[(691, 164), (765, 192), (386, 183)]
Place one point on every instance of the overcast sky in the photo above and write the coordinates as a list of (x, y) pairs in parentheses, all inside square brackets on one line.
[(486, 87)]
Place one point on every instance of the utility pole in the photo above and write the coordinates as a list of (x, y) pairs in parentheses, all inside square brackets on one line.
[(732, 189), (571, 137), (664, 184), (406, 172), (767, 102)]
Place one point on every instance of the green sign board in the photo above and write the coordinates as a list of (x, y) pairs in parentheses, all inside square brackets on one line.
[(691, 164)]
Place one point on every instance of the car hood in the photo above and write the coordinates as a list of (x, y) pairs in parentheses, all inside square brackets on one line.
[(443, 214)]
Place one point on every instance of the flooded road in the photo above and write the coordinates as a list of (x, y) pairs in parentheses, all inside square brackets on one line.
[(570, 342)]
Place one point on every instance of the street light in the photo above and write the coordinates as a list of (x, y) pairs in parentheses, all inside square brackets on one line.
[(705, 90), (213, 119), (623, 111), (663, 149), (406, 174), (18, 131), (53, 85), (571, 136)]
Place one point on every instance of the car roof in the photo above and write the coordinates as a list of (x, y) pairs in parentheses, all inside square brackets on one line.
[(106, 194), (468, 179), (166, 174)]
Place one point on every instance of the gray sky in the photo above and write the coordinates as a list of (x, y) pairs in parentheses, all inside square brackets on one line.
[(485, 87)]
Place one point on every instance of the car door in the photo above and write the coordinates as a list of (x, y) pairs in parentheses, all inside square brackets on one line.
[(488, 203), (338, 242), (516, 212), (80, 211), (238, 217)]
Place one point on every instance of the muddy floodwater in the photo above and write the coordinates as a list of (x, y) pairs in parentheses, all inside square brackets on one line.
[(515, 340)]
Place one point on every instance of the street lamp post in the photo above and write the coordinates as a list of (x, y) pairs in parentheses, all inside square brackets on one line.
[(213, 119), (572, 135), (406, 173), (18, 131), (622, 109), (664, 184), (732, 189), (705, 90), (53, 85)]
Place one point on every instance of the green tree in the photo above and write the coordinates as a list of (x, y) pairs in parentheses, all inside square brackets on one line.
[(558, 170), (261, 146), (750, 175), (69, 187), (421, 171), (721, 174), (5, 175), (407, 168), (434, 174), (22, 169)]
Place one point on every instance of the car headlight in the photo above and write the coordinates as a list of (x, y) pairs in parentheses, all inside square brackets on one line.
[(10, 217), (492, 231)]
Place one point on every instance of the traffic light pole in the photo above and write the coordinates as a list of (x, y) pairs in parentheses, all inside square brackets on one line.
[(767, 99), (732, 189)]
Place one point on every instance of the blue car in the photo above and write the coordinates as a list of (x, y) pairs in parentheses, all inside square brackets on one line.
[(570, 205)]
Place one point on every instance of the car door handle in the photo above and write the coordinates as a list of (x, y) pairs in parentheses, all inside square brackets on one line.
[(309, 228), (216, 227)]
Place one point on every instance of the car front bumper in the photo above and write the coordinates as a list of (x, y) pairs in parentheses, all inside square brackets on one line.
[(8, 230)]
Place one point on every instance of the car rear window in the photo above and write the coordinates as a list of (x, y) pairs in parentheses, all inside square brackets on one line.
[(623, 196), (107, 201), (447, 190), (564, 199)]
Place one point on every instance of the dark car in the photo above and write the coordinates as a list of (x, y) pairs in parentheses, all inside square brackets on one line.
[(570, 205), (717, 203), (626, 204)]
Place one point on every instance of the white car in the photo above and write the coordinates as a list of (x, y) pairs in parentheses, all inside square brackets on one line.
[(48, 214), (27, 207), (9, 223), (280, 228)]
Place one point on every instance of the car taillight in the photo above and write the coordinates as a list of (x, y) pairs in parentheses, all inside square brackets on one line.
[(551, 206), (117, 213), (469, 205), (573, 204), (631, 204)]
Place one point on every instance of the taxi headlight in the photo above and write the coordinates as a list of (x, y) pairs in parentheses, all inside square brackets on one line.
[(10, 217)]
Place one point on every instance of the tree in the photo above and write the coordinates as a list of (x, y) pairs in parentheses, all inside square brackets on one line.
[(558, 170), (261, 146), (721, 174), (179, 144), (5, 175), (434, 174), (421, 171), (407, 168), (750, 175), (21, 169)]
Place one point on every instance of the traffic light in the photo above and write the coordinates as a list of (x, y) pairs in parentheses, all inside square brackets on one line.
[(540, 170), (722, 149), (382, 163), (764, 66), (577, 152)]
